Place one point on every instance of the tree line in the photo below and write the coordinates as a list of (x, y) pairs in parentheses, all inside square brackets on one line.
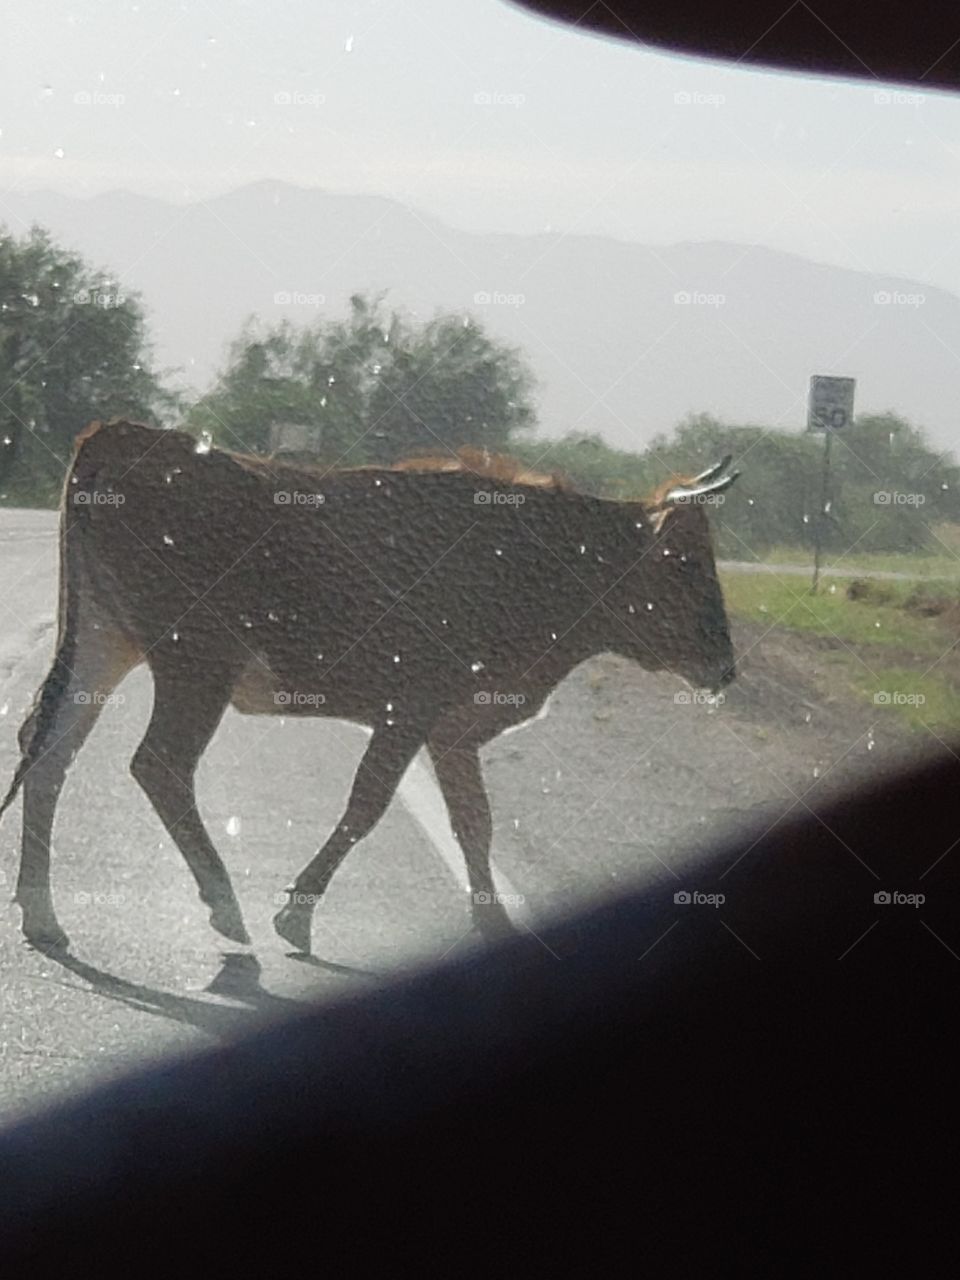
[(378, 385)]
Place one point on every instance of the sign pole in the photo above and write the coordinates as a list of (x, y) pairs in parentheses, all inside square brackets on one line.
[(830, 409), (822, 513)]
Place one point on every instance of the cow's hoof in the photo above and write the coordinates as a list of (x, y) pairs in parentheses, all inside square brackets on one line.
[(494, 927), (292, 923), (46, 936), (228, 921)]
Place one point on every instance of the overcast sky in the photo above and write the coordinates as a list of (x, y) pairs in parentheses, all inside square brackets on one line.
[(481, 115)]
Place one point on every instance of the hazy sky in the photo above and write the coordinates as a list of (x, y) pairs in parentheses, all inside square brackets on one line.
[(480, 114)]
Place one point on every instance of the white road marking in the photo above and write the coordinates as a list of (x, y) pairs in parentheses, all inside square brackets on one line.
[(421, 795)]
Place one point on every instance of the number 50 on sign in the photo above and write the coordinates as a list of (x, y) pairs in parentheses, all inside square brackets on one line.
[(831, 403)]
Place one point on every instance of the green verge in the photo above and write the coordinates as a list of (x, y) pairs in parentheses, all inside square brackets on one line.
[(905, 664)]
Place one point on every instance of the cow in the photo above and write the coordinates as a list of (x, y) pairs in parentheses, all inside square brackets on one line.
[(436, 602)]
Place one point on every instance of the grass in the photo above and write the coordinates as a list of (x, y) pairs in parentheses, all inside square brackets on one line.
[(787, 602), (878, 645)]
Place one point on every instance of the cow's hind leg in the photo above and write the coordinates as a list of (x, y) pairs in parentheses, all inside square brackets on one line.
[(87, 668), (461, 780), (186, 712), (384, 763)]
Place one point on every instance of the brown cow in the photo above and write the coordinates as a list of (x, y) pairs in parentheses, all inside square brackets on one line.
[(436, 602)]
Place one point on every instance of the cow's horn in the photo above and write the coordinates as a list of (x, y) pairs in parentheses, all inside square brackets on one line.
[(690, 493), (712, 472)]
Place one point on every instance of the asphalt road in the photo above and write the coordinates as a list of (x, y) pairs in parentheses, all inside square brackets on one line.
[(827, 571), (623, 779)]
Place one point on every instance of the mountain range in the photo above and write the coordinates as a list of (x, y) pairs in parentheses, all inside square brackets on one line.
[(623, 338)]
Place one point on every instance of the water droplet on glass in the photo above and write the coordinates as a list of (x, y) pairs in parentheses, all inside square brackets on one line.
[(167, 540), (204, 444), (476, 666), (233, 825)]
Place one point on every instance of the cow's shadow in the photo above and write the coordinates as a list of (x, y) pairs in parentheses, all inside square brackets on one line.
[(238, 979)]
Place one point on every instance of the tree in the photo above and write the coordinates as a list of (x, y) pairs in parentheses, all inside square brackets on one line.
[(370, 388), (72, 349)]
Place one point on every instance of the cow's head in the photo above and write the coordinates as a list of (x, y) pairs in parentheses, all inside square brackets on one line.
[(670, 598)]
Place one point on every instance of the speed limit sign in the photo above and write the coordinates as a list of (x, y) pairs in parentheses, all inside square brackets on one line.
[(831, 403)]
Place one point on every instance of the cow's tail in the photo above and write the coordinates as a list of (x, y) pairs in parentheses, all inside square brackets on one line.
[(35, 733)]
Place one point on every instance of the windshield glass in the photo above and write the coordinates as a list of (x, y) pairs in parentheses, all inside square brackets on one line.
[(667, 351)]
